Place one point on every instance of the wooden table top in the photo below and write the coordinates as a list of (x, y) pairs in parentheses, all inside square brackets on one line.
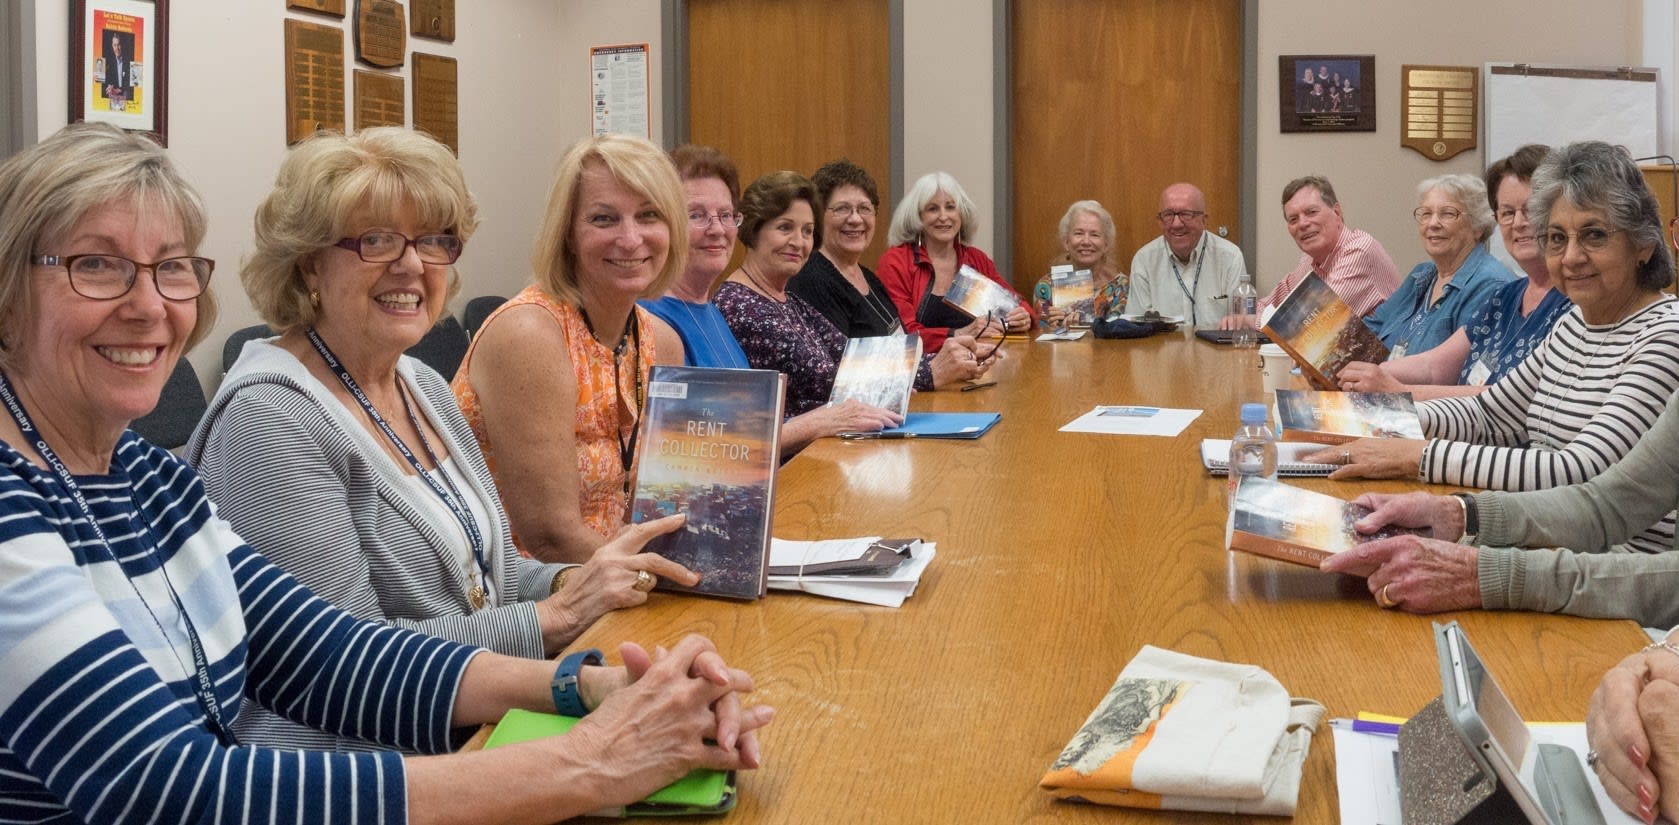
[(1059, 556)]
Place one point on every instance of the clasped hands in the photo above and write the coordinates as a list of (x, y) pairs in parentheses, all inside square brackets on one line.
[(1632, 724)]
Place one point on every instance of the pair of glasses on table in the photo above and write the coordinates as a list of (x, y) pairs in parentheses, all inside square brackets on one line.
[(985, 355)]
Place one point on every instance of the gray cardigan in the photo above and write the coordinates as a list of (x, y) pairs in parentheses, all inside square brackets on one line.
[(303, 482)]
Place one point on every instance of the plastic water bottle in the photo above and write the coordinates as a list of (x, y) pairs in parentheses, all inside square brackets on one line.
[(1253, 450), (1244, 304)]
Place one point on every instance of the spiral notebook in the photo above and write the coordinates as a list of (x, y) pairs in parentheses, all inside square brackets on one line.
[(1215, 456)]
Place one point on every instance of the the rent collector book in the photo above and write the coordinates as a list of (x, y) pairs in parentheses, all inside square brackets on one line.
[(1339, 417), (879, 371), (1321, 333), (1272, 519)]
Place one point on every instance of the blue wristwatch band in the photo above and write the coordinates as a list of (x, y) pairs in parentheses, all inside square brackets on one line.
[(567, 700)]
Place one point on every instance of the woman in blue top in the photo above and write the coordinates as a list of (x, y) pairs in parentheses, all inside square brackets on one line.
[(1459, 277), (1507, 328)]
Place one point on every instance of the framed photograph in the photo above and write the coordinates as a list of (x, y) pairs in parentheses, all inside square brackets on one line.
[(119, 64), (1326, 93)]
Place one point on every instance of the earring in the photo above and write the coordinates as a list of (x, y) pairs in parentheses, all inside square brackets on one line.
[(314, 299)]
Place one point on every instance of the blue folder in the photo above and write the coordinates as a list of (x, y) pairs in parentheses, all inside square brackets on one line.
[(944, 425)]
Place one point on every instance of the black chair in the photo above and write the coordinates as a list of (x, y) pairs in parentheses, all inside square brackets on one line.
[(443, 347), (478, 309), (170, 425), (236, 342)]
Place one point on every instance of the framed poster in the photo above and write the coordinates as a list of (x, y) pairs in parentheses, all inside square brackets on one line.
[(119, 64), (1326, 93)]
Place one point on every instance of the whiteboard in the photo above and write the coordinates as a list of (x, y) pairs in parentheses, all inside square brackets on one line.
[(1555, 105)]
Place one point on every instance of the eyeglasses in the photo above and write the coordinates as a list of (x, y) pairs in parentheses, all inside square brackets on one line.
[(108, 277), (1591, 239), (725, 219), (1002, 323), (1185, 215), (845, 210), (1447, 215), (384, 247), (1507, 215)]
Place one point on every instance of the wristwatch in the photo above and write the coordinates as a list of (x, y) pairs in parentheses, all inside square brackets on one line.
[(558, 583), (1471, 518), (567, 700)]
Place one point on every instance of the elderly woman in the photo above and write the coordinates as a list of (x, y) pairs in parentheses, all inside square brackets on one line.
[(1506, 328), (553, 383), (929, 236), (1458, 278), (1087, 233), (834, 280), (353, 263), (777, 329), (137, 624), (1632, 728)]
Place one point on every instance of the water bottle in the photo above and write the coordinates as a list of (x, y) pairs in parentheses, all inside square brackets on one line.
[(1244, 304), (1253, 450)]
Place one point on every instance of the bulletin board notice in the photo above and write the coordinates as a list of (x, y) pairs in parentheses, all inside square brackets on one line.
[(619, 90)]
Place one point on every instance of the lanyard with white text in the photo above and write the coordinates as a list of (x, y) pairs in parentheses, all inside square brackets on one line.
[(1200, 259), (203, 685)]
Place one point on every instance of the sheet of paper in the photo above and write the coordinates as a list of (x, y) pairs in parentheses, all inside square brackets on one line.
[(1063, 335), (1132, 420), (886, 591)]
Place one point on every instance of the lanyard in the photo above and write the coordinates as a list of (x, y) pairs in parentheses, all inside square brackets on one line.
[(451, 498), (1200, 260), (631, 338), (203, 686)]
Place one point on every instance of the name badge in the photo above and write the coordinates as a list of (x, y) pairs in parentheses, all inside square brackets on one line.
[(1399, 351), (1479, 373)]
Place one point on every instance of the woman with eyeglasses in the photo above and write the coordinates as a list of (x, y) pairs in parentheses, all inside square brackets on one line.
[(1508, 327), (1459, 276), (1596, 384), (834, 280), (1087, 234), (780, 331), (354, 262)]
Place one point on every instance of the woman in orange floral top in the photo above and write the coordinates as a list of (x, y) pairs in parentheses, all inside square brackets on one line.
[(575, 341)]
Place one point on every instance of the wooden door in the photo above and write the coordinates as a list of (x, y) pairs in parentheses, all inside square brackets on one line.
[(792, 84), (1115, 100)]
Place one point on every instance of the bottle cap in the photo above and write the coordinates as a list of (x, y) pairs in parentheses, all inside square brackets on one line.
[(1253, 413)]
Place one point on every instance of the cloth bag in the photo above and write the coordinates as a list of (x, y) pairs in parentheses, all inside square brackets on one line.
[(1179, 732)]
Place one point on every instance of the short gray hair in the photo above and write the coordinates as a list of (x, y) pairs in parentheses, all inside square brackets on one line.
[(1089, 207), (1471, 192), (906, 218), (1592, 174)]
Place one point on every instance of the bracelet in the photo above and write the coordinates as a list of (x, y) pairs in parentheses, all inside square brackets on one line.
[(568, 701), (1664, 644)]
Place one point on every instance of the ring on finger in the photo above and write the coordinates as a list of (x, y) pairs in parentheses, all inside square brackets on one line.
[(644, 581), (1591, 758), (1346, 456), (1383, 600)]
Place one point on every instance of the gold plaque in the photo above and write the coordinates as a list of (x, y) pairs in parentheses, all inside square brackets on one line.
[(332, 7), (381, 36), (378, 100), (436, 91), (1437, 109), (314, 79), (432, 18)]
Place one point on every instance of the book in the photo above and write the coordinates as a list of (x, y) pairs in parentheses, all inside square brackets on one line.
[(1321, 333), (979, 296), (878, 371), (1271, 519), (701, 791), (710, 445), (1339, 417), (1215, 456), (1073, 290)]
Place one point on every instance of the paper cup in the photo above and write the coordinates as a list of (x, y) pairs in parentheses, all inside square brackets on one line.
[(1274, 368)]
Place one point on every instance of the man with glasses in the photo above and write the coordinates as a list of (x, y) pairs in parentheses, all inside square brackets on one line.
[(1187, 272)]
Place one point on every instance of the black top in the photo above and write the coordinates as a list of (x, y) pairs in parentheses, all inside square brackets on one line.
[(822, 286)]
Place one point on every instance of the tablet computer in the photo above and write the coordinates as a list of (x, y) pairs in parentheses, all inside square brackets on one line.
[(1548, 782)]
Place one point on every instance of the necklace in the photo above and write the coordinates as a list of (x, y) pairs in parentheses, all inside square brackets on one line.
[(888, 315), (768, 293)]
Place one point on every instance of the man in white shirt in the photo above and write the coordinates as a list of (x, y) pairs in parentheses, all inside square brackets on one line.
[(1187, 272)]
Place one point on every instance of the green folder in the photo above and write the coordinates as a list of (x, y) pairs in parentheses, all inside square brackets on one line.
[(700, 792)]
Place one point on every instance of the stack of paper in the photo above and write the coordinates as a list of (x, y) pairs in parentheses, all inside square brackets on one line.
[(884, 572)]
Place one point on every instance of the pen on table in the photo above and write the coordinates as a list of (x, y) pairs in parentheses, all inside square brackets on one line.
[(875, 436), (979, 386)]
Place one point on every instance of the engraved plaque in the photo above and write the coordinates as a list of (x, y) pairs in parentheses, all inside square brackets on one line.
[(332, 7), (381, 36), (1437, 109), (432, 18), (378, 100), (435, 95), (314, 79)]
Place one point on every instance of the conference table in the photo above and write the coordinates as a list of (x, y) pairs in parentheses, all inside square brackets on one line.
[(1059, 555)]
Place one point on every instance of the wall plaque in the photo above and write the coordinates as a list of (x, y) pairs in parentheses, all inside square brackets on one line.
[(378, 100), (1437, 109), (436, 93), (433, 18), (332, 7), (314, 79), (381, 36)]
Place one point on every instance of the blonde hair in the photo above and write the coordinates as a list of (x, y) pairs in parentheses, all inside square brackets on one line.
[(331, 179), (49, 188), (634, 162)]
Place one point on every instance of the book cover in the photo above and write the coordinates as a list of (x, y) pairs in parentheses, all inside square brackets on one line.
[(879, 371), (1272, 519), (1073, 290), (710, 445), (978, 296), (1321, 333), (1339, 417)]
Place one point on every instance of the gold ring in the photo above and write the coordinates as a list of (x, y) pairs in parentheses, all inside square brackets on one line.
[(644, 581), (1382, 599)]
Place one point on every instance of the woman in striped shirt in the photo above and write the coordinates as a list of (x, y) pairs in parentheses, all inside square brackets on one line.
[(135, 624)]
